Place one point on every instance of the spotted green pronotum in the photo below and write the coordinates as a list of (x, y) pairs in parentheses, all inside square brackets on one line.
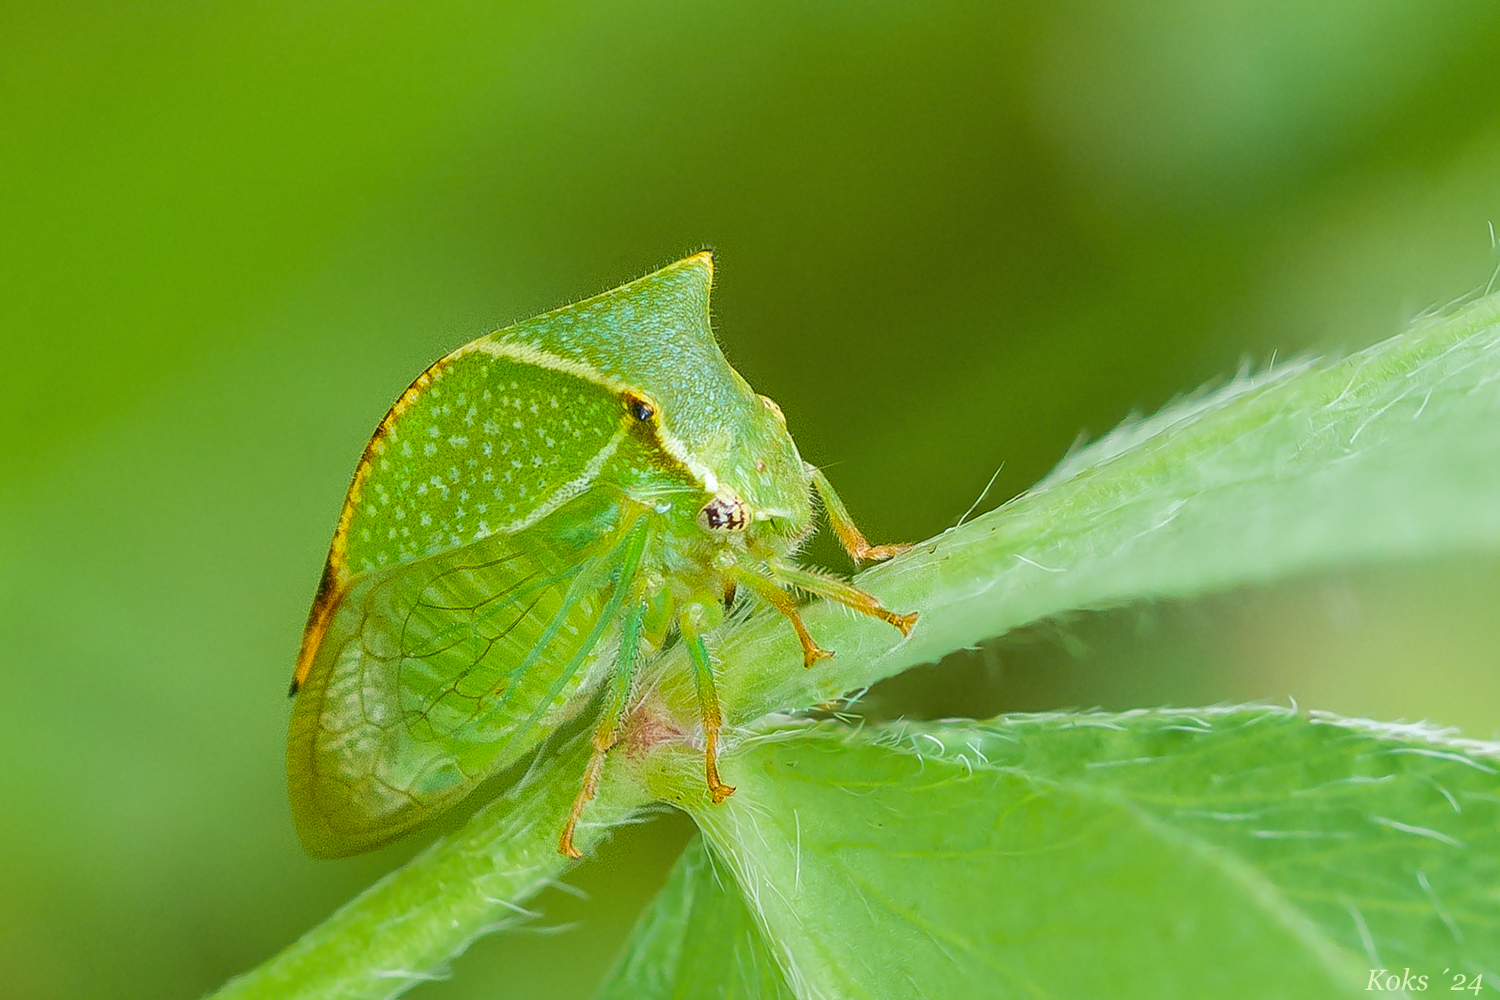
[(537, 511)]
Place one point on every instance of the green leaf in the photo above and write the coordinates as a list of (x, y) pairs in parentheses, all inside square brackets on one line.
[(1223, 852), (697, 940), (1389, 454)]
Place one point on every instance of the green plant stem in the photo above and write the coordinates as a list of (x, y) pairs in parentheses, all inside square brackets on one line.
[(397, 932)]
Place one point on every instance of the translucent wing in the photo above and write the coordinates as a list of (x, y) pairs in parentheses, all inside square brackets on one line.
[(435, 674)]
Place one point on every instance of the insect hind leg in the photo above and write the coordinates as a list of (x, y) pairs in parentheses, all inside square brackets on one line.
[(607, 733)]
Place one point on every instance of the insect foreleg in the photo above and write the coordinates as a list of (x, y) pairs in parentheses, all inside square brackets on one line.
[(843, 525), (708, 701), (609, 722)]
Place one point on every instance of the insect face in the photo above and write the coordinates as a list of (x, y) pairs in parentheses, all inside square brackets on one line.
[(760, 474)]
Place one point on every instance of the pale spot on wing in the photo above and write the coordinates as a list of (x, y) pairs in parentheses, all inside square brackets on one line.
[(525, 447)]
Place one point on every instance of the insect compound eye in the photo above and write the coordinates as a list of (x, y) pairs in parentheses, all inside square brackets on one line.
[(723, 514), (639, 408)]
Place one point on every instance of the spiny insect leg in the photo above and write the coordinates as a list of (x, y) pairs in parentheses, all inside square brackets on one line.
[(609, 724), (787, 605), (844, 527), (708, 702), (837, 590)]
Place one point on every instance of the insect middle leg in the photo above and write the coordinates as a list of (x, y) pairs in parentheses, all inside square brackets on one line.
[(785, 603), (607, 733), (837, 590)]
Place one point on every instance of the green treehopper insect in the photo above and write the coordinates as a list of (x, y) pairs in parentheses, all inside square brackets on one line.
[(538, 511)]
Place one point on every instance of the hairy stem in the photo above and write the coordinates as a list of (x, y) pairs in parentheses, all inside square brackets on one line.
[(394, 934)]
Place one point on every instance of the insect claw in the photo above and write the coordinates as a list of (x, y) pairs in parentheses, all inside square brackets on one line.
[(565, 844), (904, 622), (812, 654), (603, 740), (717, 790), (875, 553)]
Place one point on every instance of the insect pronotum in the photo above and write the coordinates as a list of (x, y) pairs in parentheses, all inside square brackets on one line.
[(540, 510)]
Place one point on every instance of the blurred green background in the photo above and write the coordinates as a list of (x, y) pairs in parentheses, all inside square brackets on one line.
[(952, 237)]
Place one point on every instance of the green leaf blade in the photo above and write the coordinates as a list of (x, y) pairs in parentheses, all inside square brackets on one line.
[(1145, 854), (697, 941)]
